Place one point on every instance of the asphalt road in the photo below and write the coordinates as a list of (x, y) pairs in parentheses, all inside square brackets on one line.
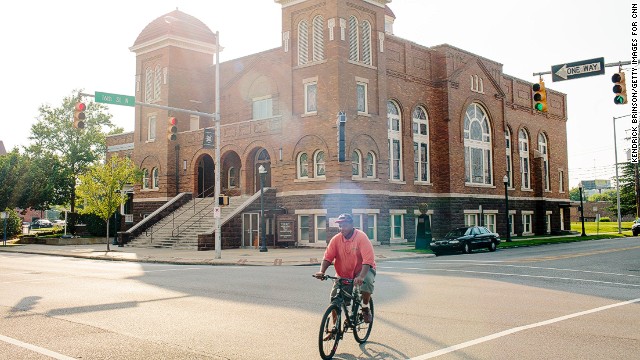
[(569, 301)]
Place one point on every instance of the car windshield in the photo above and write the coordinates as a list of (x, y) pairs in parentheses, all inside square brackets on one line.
[(456, 233)]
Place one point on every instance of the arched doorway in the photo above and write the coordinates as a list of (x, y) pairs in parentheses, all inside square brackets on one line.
[(262, 158), (230, 177), (206, 176)]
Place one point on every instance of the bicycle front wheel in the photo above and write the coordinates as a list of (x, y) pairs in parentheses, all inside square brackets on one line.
[(330, 332), (361, 329)]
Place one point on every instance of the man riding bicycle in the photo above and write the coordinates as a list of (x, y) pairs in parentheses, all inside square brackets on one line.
[(352, 255)]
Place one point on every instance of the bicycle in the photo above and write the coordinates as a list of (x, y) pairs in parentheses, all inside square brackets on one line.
[(332, 332)]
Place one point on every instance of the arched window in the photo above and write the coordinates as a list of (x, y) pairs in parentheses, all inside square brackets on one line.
[(303, 42), (356, 163), (544, 150), (232, 178), (148, 85), (157, 82), (155, 178), (318, 38), (420, 144), (318, 164), (371, 165), (507, 139), (394, 125), (353, 39), (366, 42), (523, 147), (477, 146), (145, 178), (303, 166)]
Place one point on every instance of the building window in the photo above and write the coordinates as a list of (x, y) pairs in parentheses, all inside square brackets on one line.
[(371, 165), (395, 140), (232, 178), (366, 42), (476, 84), (194, 122), (318, 38), (145, 178), (156, 84), (561, 178), (304, 227), (507, 138), (155, 178), (151, 134), (544, 150), (303, 166), (361, 94), (490, 222), (353, 39), (318, 164), (512, 224), (397, 226), (477, 146), (526, 224), (471, 219), (562, 219), (310, 97), (262, 108), (548, 218), (303, 42), (356, 163), (367, 223), (523, 146), (321, 228), (420, 145), (148, 85)]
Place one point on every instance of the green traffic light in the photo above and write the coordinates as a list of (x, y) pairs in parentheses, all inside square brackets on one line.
[(618, 99), (538, 106)]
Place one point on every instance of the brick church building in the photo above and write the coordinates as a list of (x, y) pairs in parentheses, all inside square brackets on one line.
[(432, 126)]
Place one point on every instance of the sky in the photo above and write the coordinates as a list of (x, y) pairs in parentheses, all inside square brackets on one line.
[(50, 48)]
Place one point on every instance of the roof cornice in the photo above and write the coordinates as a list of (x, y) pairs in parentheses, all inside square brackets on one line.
[(177, 41)]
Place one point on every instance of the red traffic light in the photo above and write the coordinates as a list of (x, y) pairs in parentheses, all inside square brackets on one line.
[(80, 107), (173, 121)]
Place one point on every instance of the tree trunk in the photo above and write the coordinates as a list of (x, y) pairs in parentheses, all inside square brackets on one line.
[(108, 249)]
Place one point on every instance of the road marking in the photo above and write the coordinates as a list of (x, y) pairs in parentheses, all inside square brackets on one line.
[(546, 268), (483, 339), (521, 275), (35, 348), (569, 256)]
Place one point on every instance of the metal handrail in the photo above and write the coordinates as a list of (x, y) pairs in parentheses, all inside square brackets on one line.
[(195, 201)]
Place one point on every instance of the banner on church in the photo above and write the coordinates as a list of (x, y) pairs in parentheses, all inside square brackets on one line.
[(207, 141)]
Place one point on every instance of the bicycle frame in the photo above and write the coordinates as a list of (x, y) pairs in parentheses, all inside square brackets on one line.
[(341, 301)]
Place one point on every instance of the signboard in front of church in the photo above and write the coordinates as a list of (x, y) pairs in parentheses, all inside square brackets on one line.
[(207, 141)]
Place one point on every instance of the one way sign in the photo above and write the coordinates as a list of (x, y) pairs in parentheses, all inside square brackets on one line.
[(577, 69)]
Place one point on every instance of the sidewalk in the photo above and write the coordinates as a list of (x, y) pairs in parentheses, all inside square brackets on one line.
[(272, 257)]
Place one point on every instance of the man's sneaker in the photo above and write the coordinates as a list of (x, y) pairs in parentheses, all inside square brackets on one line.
[(366, 315)]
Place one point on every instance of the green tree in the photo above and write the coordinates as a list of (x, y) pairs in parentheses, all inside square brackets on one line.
[(12, 170), (574, 194), (605, 196), (100, 189), (627, 182), (53, 135), (14, 224)]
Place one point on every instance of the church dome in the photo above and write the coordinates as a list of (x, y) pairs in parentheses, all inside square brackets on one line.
[(179, 24)]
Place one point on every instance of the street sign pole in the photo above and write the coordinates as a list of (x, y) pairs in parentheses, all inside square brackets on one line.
[(4, 216)]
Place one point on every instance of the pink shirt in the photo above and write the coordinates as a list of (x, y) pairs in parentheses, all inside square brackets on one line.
[(349, 255)]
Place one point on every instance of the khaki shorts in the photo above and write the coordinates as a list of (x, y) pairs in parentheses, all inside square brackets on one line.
[(367, 285)]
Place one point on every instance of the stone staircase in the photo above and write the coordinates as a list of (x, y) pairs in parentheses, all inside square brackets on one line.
[(180, 229)]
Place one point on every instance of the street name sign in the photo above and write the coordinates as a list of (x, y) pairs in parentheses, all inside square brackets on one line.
[(577, 69), (115, 99)]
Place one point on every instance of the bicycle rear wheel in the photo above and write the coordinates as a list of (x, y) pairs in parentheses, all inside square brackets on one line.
[(361, 330), (330, 332)]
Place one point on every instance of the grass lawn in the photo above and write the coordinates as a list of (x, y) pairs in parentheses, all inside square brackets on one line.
[(594, 231)]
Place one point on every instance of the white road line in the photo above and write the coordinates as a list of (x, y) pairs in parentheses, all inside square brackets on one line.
[(463, 345), (547, 268), (523, 275), (35, 348)]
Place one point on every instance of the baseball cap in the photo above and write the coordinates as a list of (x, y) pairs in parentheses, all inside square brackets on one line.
[(344, 218)]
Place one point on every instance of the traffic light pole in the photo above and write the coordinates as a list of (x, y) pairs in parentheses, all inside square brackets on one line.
[(619, 63)]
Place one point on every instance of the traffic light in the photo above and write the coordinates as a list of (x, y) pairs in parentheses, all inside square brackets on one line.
[(223, 200), (79, 116), (540, 96), (620, 88), (173, 129)]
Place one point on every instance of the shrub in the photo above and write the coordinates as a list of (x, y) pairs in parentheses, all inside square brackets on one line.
[(605, 219), (97, 226), (14, 225)]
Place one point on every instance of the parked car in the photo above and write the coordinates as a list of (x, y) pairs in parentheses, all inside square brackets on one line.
[(466, 239), (635, 228), (41, 223), (60, 223)]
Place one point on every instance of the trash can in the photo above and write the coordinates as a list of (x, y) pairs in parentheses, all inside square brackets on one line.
[(423, 235)]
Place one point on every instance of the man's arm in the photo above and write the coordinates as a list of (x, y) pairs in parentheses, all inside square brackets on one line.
[(323, 268), (363, 273)]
